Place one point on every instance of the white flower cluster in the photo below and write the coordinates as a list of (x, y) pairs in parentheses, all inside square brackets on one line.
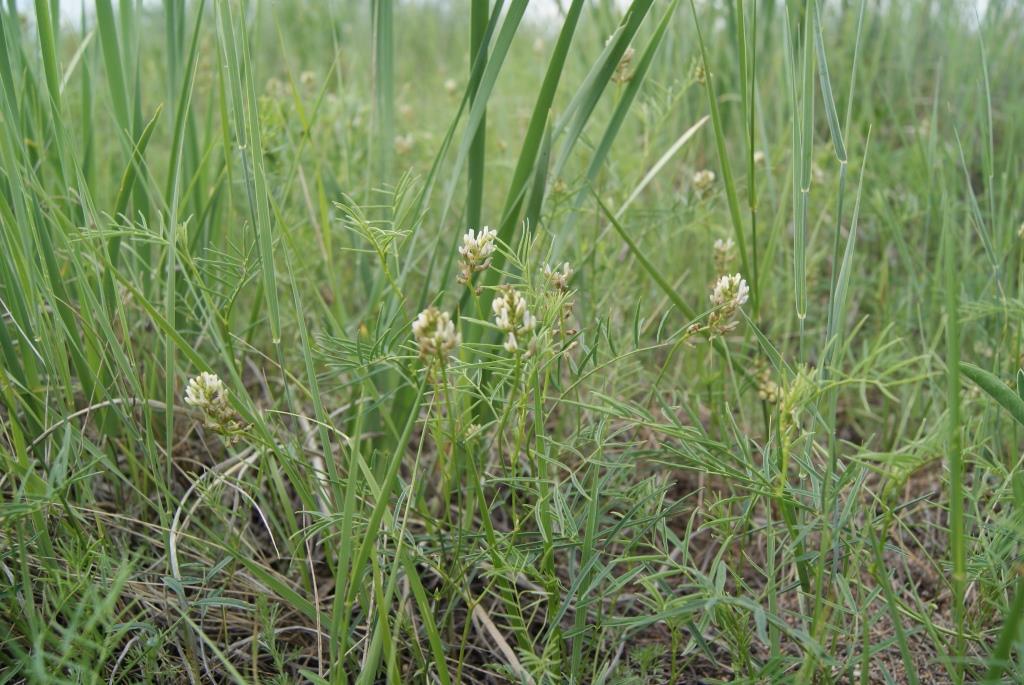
[(729, 294), (622, 73), (404, 144), (697, 73), (703, 180), (476, 252), (435, 334), (725, 252), (512, 317), (559, 280), (207, 393), (767, 389)]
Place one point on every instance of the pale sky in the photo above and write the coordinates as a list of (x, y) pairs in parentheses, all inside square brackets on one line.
[(539, 10)]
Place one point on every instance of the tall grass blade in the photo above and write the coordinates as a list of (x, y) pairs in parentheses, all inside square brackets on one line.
[(954, 450), (723, 157)]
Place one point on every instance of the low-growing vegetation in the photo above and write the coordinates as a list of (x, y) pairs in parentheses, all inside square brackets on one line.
[(510, 342)]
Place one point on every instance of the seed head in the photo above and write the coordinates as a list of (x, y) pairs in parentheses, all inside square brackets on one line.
[(798, 392), (476, 252), (435, 334)]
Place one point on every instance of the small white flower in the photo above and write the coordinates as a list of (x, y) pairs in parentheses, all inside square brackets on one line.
[(703, 180), (450, 86), (759, 157), (435, 334), (476, 252)]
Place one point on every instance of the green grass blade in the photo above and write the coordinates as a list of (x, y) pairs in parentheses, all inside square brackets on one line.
[(113, 62), (826, 89), (476, 168), (957, 542), (242, 92), (1000, 659), (590, 93), (996, 389), (45, 12), (615, 123), (531, 143), (723, 157), (427, 616), (384, 84)]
